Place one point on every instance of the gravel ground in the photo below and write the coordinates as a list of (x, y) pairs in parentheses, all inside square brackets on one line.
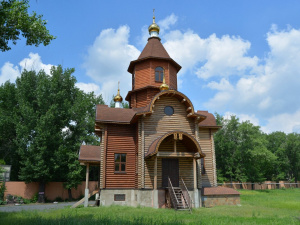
[(31, 207)]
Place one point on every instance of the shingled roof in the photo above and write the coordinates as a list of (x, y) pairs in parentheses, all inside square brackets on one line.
[(219, 191), (153, 49), (89, 153), (106, 114), (210, 121)]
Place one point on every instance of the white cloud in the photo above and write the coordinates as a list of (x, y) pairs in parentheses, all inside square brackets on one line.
[(10, 72), (89, 87), (108, 59), (34, 62), (167, 22), (271, 91), (286, 122), (244, 117)]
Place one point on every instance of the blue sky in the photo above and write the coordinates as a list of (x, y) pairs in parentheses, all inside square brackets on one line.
[(237, 57)]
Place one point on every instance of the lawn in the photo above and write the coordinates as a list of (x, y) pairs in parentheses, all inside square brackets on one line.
[(257, 207)]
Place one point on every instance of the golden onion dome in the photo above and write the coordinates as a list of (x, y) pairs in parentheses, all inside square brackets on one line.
[(164, 87), (153, 28), (118, 97)]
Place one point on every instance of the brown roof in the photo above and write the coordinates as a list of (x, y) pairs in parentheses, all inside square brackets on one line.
[(127, 98), (154, 48), (106, 114), (210, 120), (219, 191), (89, 153)]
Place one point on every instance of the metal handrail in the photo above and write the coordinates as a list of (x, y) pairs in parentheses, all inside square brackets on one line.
[(187, 198), (170, 186)]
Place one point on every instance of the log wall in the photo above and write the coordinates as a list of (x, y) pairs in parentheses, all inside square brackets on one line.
[(145, 73), (206, 142), (121, 139)]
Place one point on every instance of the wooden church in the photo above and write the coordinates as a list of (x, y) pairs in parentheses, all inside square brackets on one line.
[(160, 151)]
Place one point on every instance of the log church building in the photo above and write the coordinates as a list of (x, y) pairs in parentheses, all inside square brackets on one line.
[(160, 151)]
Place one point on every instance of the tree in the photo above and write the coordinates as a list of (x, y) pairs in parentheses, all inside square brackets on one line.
[(8, 110), (14, 19), (54, 118), (241, 151)]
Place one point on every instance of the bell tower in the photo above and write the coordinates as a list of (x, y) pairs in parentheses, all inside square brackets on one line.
[(152, 72)]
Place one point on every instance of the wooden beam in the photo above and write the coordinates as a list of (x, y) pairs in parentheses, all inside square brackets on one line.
[(183, 100), (195, 173), (175, 154), (189, 109), (155, 173), (175, 146), (87, 176)]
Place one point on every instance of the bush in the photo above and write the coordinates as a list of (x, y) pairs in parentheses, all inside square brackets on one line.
[(2, 190)]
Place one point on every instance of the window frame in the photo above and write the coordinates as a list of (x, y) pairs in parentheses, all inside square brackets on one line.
[(160, 75), (120, 163)]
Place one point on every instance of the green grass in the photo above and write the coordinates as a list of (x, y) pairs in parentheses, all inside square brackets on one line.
[(257, 207)]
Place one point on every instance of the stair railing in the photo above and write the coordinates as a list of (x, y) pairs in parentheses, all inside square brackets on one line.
[(186, 195), (172, 194)]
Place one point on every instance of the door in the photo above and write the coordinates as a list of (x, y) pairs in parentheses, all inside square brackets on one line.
[(170, 168)]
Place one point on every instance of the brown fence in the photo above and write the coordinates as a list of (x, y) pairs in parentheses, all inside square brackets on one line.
[(260, 186), (53, 190)]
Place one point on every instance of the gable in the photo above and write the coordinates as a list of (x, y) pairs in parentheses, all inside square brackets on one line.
[(158, 123)]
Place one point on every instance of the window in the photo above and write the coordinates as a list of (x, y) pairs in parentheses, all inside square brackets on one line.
[(119, 197), (169, 110), (159, 74), (120, 163)]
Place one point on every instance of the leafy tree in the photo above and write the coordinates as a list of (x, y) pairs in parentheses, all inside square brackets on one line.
[(292, 147), (8, 110), (14, 19), (241, 151), (54, 118), (276, 144)]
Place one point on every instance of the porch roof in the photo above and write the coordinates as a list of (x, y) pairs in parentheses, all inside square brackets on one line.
[(89, 153), (189, 141)]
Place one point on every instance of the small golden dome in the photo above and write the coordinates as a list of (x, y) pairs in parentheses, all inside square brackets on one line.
[(153, 27), (118, 97), (164, 87)]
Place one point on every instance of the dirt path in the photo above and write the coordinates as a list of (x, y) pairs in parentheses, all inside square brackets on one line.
[(47, 206)]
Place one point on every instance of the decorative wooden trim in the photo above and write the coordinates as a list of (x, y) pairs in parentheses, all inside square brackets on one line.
[(195, 173), (213, 158), (104, 157), (176, 154)]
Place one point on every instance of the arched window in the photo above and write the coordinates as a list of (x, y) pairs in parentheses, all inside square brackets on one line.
[(159, 74)]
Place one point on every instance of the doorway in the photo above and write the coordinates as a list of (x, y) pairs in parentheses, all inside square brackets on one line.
[(170, 168)]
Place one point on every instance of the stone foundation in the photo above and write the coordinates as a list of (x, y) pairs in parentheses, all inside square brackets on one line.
[(146, 198), (214, 200), (213, 196)]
